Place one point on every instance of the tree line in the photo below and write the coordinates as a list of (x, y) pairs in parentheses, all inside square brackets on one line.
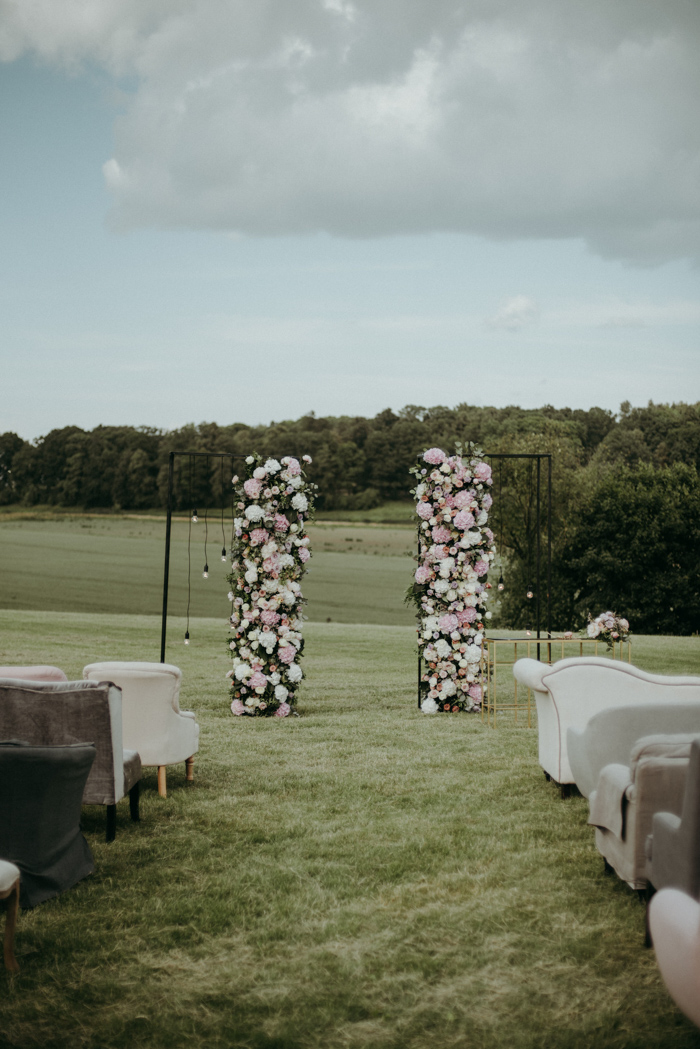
[(625, 509)]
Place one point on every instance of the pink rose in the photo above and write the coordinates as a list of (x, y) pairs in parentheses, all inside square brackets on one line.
[(424, 510), (257, 680), (304, 555), (448, 623), (481, 567), (293, 467), (434, 456), (237, 707), (287, 654), (464, 519), (281, 523), (423, 574), (467, 616), (283, 710), (441, 534), (252, 488), (482, 472), (259, 536), (269, 618)]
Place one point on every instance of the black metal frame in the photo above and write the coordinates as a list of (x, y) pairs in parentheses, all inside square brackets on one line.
[(168, 526), (538, 456)]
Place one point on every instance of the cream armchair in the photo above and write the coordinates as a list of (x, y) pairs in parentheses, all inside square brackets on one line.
[(152, 722), (674, 921), (570, 692)]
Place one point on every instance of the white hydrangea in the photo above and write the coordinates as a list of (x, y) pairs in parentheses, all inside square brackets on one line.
[(473, 653), (448, 687), (429, 706), (242, 671), (442, 648), (272, 466), (254, 512), (251, 576), (286, 561), (441, 586), (268, 640), (294, 673), (300, 502), (281, 693), (269, 548), (259, 473)]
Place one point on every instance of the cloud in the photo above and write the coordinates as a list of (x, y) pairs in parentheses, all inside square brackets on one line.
[(549, 119), (516, 313)]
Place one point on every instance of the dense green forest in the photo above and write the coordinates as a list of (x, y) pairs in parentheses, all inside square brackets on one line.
[(625, 511)]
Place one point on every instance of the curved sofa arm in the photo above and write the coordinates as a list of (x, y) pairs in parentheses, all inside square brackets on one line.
[(529, 672)]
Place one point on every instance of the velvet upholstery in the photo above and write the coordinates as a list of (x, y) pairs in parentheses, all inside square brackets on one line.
[(673, 849), (41, 792), (626, 798)]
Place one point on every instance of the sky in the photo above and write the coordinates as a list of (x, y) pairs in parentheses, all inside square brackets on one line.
[(227, 211)]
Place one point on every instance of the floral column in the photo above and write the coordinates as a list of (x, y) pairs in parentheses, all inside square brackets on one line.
[(268, 556), (456, 549)]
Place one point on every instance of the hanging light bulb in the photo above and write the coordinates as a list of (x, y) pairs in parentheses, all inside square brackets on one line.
[(530, 592), (187, 637), (223, 553), (501, 584), (205, 573), (195, 518), (528, 630)]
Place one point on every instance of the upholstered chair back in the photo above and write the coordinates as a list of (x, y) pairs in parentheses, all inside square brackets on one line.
[(46, 713)]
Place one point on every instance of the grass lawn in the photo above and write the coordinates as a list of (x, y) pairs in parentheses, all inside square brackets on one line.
[(361, 877)]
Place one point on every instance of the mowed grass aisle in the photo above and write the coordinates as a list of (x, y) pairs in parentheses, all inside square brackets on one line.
[(361, 876)]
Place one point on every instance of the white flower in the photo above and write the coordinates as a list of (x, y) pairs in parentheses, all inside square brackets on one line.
[(289, 599), (448, 687), (429, 706), (294, 528), (269, 548), (440, 586), (442, 648), (242, 671), (473, 654), (251, 576), (254, 513), (250, 459), (259, 473), (295, 482), (294, 673), (272, 466), (300, 502), (445, 468), (593, 628), (489, 615), (267, 640), (307, 459), (451, 595)]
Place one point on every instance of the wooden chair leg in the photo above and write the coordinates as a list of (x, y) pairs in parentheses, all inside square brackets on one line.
[(10, 924), (162, 790), (134, 801), (189, 770), (111, 823)]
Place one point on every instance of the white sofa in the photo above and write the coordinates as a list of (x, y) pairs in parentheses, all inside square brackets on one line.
[(674, 921), (152, 720), (570, 692)]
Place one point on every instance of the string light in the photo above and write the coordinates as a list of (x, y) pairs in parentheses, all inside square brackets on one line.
[(223, 553), (530, 593), (187, 637), (195, 518), (205, 573), (501, 584)]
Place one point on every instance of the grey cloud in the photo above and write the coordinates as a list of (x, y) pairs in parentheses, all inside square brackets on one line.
[(553, 118)]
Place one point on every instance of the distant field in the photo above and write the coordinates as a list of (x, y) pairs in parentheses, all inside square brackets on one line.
[(82, 563)]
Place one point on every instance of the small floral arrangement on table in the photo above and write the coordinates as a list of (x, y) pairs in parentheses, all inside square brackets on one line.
[(450, 589), (609, 627), (268, 558)]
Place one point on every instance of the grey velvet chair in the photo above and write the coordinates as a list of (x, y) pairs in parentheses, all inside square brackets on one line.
[(45, 713), (673, 848), (41, 793), (626, 797)]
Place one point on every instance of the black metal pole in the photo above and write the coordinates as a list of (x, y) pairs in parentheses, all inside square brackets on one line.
[(549, 546), (166, 570), (537, 526)]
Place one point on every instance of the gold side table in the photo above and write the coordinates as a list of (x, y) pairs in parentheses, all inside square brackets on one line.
[(501, 690)]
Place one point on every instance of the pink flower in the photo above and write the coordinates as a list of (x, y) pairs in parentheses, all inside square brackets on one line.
[(441, 534), (271, 564), (283, 710), (467, 616), (252, 488), (624, 625), (269, 617), (448, 623), (287, 654), (464, 519), (259, 536), (441, 552), (482, 472), (304, 555), (293, 467), (281, 523), (475, 692), (423, 574), (463, 499), (424, 510), (434, 456), (237, 707), (257, 680), (487, 501), (481, 567)]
